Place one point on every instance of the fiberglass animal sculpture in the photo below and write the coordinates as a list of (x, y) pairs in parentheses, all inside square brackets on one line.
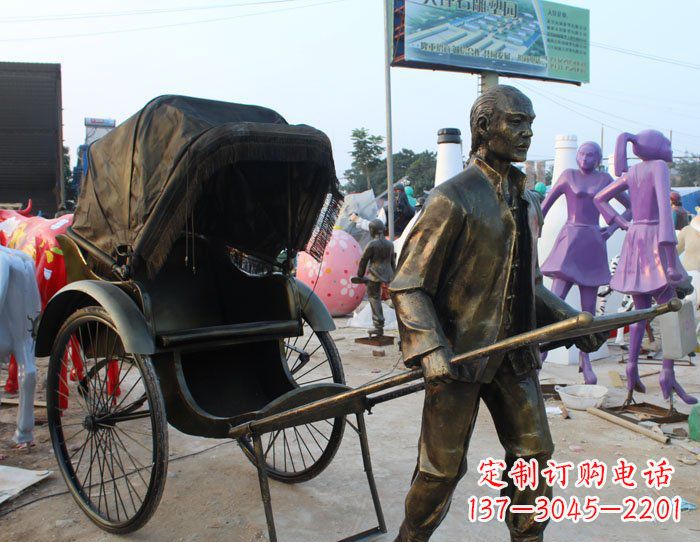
[(20, 306)]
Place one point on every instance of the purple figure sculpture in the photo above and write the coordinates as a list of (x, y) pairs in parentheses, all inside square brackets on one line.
[(649, 265), (579, 255)]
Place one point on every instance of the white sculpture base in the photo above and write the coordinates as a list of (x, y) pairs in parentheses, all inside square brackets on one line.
[(362, 318), (564, 356)]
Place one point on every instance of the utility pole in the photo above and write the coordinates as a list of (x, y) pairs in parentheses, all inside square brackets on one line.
[(388, 46)]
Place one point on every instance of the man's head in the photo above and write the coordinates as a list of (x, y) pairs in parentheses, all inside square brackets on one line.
[(376, 228), (501, 124), (676, 198)]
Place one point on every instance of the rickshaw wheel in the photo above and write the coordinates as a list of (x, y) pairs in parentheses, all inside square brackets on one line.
[(107, 423), (298, 454)]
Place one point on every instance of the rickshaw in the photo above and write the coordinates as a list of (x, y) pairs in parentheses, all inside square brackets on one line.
[(182, 307), (182, 302)]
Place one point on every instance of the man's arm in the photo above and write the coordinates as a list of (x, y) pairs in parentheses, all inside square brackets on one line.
[(423, 259), (364, 260)]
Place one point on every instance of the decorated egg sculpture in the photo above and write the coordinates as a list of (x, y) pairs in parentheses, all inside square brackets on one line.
[(330, 279)]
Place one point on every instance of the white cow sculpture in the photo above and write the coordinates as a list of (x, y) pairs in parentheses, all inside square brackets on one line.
[(20, 306)]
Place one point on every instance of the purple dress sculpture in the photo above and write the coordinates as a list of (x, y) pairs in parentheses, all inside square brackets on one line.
[(579, 255), (649, 267)]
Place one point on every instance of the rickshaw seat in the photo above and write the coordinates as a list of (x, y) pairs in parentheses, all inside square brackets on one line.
[(218, 302), (275, 328)]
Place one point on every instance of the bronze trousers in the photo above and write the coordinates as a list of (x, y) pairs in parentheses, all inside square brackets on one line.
[(374, 296), (449, 414)]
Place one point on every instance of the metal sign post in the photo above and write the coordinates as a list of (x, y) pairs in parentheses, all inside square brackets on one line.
[(487, 80), (388, 32)]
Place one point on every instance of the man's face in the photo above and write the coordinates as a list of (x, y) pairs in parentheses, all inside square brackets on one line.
[(509, 133)]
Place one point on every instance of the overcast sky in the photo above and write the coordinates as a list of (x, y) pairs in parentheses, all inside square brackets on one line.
[(323, 65)]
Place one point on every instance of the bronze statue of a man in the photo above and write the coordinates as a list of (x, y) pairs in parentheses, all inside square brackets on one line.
[(378, 263), (468, 276)]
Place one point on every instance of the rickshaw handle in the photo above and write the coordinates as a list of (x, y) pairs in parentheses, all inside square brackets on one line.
[(579, 325)]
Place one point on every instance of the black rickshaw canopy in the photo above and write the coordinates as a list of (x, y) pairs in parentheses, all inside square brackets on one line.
[(235, 172)]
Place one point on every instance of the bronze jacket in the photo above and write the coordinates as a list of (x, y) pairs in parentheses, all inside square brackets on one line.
[(452, 280), (378, 261)]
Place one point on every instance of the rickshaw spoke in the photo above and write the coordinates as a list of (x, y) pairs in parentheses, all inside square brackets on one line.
[(121, 402), (308, 341), (130, 431), (307, 372), (121, 368), (133, 406), (123, 376), (101, 462), (284, 449), (126, 477), (132, 438), (313, 458), (68, 397), (82, 453), (96, 464), (88, 474), (105, 383), (81, 342), (316, 350), (65, 440), (105, 468), (137, 464), (71, 424), (297, 365), (296, 339), (292, 349), (133, 460), (272, 441), (296, 435), (95, 358), (319, 432), (110, 466), (274, 454), (318, 380), (314, 437), (288, 448), (96, 371), (109, 469)]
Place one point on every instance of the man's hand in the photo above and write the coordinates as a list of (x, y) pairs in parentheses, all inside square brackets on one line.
[(591, 343), (437, 367)]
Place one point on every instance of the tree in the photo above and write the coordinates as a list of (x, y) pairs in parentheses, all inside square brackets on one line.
[(366, 152), (687, 171), (421, 172), (66, 164), (548, 174), (418, 168)]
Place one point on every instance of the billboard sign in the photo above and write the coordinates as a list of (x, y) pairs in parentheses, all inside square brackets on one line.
[(522, 38)]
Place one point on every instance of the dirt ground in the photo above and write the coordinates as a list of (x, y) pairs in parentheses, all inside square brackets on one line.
[(214, 495)]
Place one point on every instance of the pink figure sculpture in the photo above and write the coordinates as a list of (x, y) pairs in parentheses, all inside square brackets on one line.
[(579, 255), (649, 266)]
